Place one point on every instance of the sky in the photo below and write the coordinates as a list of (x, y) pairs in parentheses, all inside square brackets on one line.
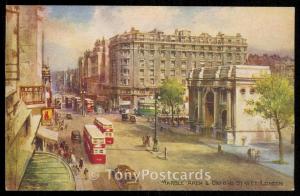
[(70, 30)]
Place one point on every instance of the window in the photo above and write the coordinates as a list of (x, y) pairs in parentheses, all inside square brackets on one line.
[(172, 72), (183, 54), (162, 64), (183, 81), (151, 46), (152, 53), (193, 47), (162, 46), (162, 80), (194, 64), (98, 151), (183, 64), (194, 54), (183, 73), (243, 91), (252, 91), (151, 72), (141, 45), (142, 63), (173, 54), (142, 81), (173, 46), (142, 52), (162, 54), (152, 81), (142, 73), (201, 54), (151, 63), (172, 65), (162, 73)]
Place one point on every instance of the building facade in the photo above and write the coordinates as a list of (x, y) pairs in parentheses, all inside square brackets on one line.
[(93, 69), (25, 93), (140, 62), (218, 99)]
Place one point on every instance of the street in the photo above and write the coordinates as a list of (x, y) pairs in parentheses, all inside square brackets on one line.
[(184, 154)]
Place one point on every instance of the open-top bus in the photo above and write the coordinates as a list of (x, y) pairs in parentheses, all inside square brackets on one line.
[(105, 126), (94, 142)]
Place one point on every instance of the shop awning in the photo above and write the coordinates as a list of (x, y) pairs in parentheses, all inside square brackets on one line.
[(47, 134)]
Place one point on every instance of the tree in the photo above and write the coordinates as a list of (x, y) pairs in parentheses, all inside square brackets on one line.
[(171, 93), (275, 102)]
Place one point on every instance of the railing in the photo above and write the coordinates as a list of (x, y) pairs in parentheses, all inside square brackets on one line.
[(32, 94)]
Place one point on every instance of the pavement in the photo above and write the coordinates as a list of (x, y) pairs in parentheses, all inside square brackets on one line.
[(269, 151)]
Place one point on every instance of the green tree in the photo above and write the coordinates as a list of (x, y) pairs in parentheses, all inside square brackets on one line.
[(171, 93), (275, 102)]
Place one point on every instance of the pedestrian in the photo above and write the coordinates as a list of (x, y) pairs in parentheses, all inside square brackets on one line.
[(73, 159), (165, 153), (76, 168), (86, 172), (220, 148), (253, 152), (257, 155), (81, 163), (55, 147), (249, 154), (66, 147), (51, 147)]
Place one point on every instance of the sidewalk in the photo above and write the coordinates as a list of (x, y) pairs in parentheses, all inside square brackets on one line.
[(269, 151), (268, 154)]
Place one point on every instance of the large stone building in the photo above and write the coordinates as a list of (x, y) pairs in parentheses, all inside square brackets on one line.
[(140, 61), (217, 103), (25, 93), (93, 69)]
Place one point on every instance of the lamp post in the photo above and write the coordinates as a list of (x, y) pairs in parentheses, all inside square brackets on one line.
[(82, 102), (155, 141)]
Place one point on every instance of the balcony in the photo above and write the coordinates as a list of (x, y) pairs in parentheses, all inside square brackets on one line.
[(33, 95)]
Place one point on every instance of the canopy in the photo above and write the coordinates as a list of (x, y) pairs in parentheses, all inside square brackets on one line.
[(48, 134)]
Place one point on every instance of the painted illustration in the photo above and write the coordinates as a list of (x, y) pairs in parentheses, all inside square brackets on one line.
[(149, 98)]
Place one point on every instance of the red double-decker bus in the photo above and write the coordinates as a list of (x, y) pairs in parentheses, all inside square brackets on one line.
[(105, 126), (94, 142)]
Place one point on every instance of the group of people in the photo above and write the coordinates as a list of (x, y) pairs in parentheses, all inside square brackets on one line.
[(64, 151), (253, 154)]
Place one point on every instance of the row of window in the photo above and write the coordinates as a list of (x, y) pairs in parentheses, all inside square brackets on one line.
[(243, 91), (183, 54)]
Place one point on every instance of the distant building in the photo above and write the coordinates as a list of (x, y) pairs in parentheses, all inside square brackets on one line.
[(217, 100), (94, 72), (141, 61)]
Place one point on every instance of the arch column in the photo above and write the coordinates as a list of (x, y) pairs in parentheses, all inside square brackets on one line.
[(200, 107), (229, 106), (216, 107)]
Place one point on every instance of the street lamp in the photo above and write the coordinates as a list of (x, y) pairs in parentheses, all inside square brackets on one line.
[(82, 102), (155, 141)]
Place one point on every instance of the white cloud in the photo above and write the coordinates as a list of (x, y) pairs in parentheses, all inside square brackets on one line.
[(267, 29)]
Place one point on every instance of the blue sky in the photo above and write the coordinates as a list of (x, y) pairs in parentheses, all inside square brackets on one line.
[(70, 30)]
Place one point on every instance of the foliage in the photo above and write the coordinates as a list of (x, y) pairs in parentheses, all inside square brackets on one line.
[(275, 102), (171, 93)]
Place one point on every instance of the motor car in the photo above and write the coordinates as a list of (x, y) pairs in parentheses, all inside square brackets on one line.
[(129, 180), (75, 136), (69, 116)]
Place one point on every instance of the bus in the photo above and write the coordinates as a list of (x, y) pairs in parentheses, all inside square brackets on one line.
[(105, 126), (94, 143), (89, 104)]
